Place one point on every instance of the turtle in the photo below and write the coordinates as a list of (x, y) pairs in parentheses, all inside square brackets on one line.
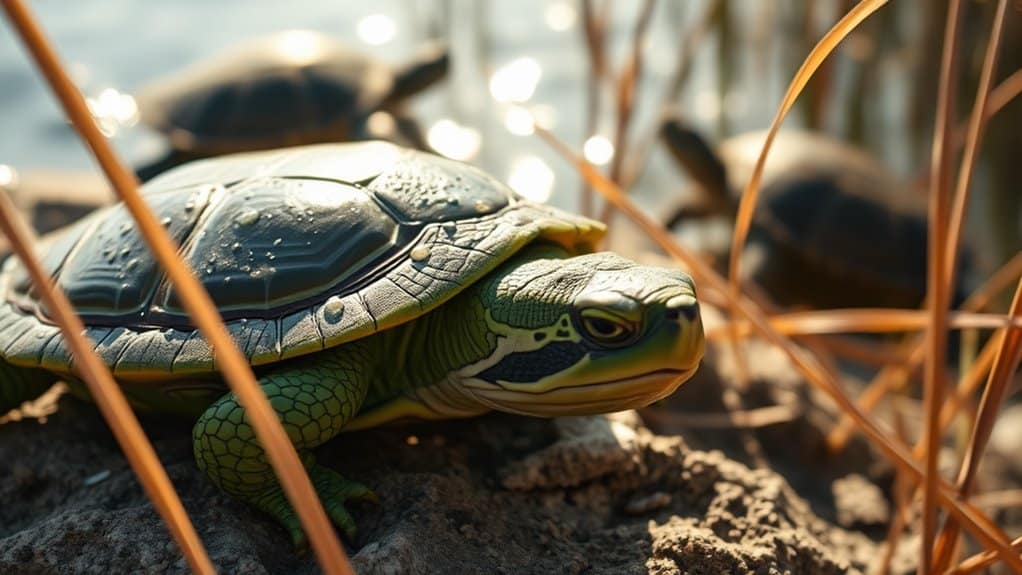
[(367, 284), (833, 227), (289, 88)]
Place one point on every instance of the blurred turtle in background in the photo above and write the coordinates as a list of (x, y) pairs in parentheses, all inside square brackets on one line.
[(832, 227), (290, 88)]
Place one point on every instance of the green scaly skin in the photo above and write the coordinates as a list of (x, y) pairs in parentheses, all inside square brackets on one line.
[(531, 338), (313, 397)]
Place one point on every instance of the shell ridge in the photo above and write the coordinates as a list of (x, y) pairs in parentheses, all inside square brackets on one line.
[(365, 305), (177, 354), (14, 340), (414, 297), (213, 198)]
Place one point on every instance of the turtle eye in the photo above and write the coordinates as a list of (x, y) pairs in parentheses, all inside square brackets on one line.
[(606, 328)]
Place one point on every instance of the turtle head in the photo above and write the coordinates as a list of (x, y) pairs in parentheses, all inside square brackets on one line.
[(588, 334)]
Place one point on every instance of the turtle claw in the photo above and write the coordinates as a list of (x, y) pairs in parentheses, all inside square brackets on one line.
[(334, 492)]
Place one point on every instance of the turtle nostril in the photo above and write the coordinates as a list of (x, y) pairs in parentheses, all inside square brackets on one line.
[(678, 310)]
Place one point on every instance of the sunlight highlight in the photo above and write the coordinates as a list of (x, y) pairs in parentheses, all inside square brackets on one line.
[(519, 121), (113, 110), (376, 29), (454, 140), (8, 176), (560, 16), (598, 150), (532, 178), (515, 81), (300, 47)]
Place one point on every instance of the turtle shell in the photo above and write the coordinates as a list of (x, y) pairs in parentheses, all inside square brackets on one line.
[(295, 87), (834, 209), (301, 249)]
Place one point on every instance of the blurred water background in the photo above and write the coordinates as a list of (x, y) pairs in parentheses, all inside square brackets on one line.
[(509, 58)]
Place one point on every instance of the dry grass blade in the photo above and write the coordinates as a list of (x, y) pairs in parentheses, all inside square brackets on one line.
[(1006, 91), (867, 352), (892, 376), (628, 81), (691, 39), (109, 398), (195, 300), (934, 381), (1009, 354), (944, 278), (1002, 278), (977, 122), (883, 382), (594, 28), (980, 560), (972, 518), (998, 98), (837, 321), (746, 419), (901, 493), (1005, 364), (1005, 498), (968, 385), (743, 220), (813, 61)]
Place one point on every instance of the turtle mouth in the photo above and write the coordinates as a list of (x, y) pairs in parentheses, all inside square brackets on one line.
[(598, 397)]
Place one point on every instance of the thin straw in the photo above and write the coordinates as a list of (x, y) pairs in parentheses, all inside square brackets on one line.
[(996, 385), (881, 384), (108, 397), (866, 320), (235, 368), (981, 560)]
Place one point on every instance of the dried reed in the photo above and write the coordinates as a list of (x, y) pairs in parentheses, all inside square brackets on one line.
[(195, 299)]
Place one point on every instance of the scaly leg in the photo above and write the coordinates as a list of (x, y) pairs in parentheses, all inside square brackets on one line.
[(21, 384), (313, 397)]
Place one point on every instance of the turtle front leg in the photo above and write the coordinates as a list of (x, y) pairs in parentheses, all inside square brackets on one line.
[(313, 397)]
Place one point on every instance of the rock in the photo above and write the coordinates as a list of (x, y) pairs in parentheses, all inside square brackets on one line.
[(588, 448), (859, 502), (1006, 438), (663, 508)]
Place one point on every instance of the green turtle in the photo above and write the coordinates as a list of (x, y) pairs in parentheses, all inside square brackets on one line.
[(833, 227), (367, 284), (289, 88)]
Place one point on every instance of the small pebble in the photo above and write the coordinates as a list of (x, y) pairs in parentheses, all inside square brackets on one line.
[(97, 478), (646, 503)]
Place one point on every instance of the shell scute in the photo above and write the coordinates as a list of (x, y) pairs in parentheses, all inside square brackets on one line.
[(354, 251)]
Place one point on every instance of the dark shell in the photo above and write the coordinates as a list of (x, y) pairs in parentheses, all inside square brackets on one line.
[(289, 88), (300, 249), (832, 228), (828, 208)]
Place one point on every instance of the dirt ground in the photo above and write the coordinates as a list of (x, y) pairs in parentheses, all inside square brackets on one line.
[(496, 494)]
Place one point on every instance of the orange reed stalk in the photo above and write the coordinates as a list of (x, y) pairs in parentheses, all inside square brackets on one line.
[(934, 378), (194, 298), (883, 382), (108, 397), (993, 395)]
